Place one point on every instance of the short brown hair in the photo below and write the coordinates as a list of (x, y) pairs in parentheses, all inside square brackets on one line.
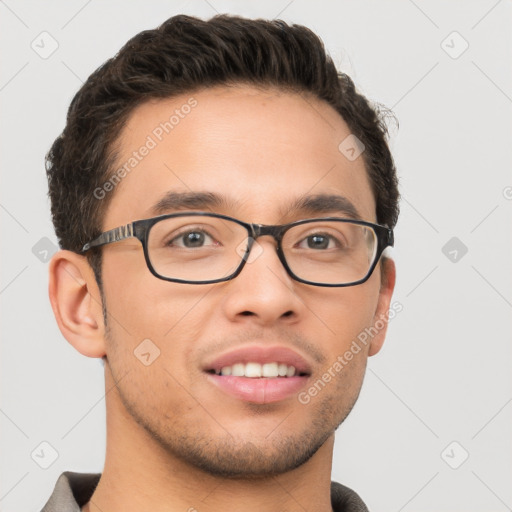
[(183, 55)]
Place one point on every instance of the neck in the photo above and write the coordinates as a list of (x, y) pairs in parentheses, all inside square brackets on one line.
[(140, 475)]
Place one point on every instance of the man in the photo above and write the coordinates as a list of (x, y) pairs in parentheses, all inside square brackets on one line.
[(223, 198)]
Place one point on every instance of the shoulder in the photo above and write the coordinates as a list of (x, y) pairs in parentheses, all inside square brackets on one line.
[(344, 499), (71, 491)]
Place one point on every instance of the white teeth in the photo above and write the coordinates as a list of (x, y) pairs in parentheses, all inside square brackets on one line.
[(291, 371), (257, 370), (269, 370), (253, 370), (238, 370)]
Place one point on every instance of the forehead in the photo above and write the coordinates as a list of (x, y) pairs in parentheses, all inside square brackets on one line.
[(260, 149)]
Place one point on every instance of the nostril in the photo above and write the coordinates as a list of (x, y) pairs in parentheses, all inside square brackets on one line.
[(288, 313)]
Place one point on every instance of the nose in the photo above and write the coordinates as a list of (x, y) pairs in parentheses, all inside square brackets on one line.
[(263, 292)]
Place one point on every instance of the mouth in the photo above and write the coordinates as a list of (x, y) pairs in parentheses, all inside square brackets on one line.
[(259, 374), (253, 370)]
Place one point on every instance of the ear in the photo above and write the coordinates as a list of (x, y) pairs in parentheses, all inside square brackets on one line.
[(76, 302), (388, 278)]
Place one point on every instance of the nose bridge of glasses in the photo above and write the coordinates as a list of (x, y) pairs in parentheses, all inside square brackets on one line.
[(274, 233), (259, 230)]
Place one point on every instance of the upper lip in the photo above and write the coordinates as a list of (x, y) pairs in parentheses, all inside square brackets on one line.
[(261, 355)]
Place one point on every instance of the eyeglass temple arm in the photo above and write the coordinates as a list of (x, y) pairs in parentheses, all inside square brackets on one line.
[(391, 237), (114, 235)]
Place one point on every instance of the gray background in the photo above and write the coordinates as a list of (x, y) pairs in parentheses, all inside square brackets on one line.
[(444, 373)]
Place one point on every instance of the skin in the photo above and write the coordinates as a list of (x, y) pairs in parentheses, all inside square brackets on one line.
[(174, 441)]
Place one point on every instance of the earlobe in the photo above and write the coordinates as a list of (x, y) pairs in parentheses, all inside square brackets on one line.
[(380, 320), (76, 303)]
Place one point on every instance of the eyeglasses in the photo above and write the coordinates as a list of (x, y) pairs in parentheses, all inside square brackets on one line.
[(205, 248)]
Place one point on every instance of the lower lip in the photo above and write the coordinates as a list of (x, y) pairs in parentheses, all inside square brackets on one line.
[(260, 390)]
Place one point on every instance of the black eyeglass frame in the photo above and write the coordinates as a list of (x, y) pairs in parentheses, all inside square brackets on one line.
[(140, 229)]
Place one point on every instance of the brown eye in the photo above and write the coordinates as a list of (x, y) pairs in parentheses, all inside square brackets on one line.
[(191, 240), (318, 242)]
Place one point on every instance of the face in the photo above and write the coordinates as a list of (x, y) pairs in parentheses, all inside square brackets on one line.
[(260, 150)]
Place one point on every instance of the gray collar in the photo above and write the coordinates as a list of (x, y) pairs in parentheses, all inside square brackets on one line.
[(73, 490)]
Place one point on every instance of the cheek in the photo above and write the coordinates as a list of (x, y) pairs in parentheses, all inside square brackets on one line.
[(152, 315), (347, 314), (147, 307), (149, 327)]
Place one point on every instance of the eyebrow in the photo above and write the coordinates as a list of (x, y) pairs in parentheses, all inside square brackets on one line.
[(189, 201), (311, 205), (324, 203)]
